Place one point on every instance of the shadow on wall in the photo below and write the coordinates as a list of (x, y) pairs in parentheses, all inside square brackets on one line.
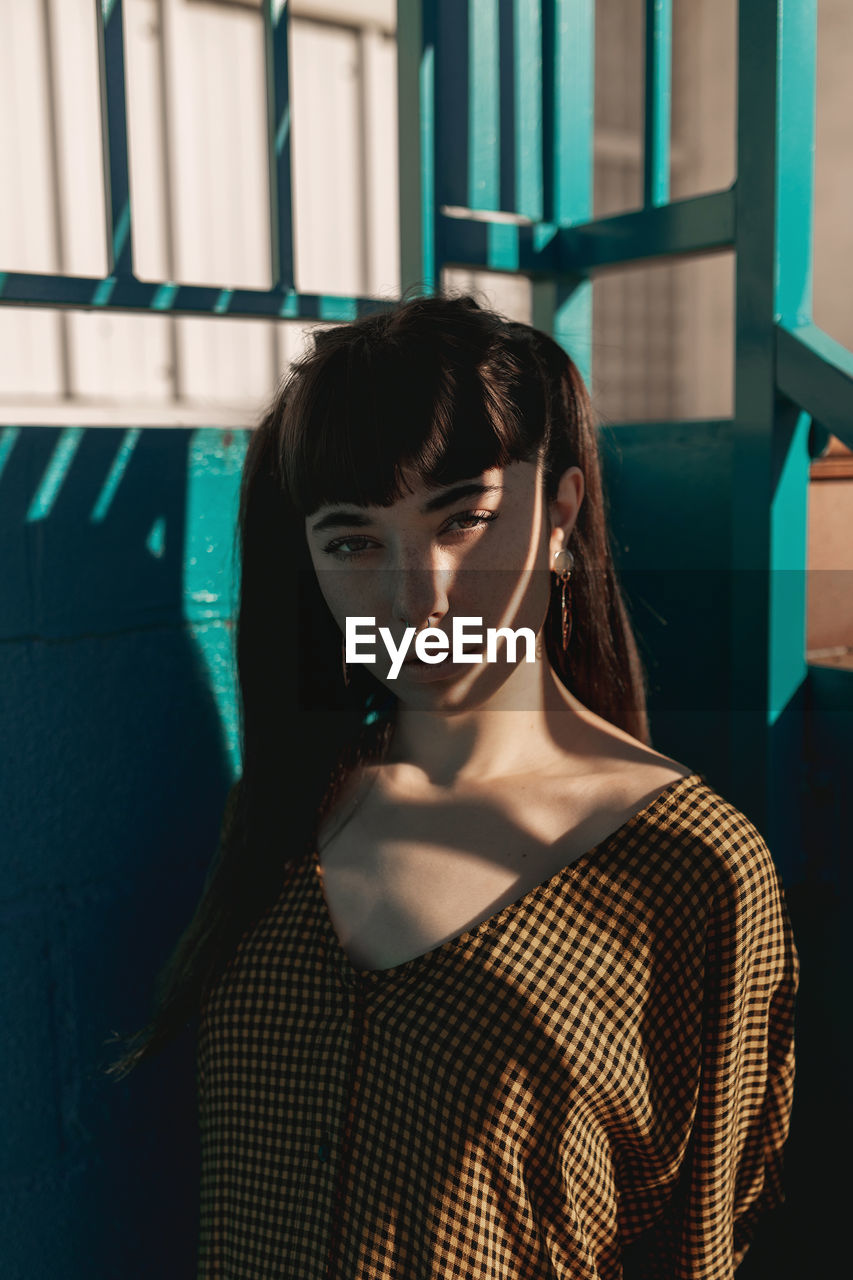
[(116, 765)]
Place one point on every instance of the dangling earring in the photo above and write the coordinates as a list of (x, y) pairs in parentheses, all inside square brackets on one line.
[(344, 660), (563, 564)]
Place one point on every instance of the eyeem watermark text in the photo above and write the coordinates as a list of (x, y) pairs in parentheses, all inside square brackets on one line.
[(434, 646)]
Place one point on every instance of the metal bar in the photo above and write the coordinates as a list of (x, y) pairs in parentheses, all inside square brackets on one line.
[(658, 102), (451, 92), (698, 225), (573, 62), (58, 220), (484, 105), (754, 407), (790, 461), (498, 246), (701, 224), (114, 132), (126, 293), (816, 373), (363, 156), (410, 53), (568, 96), (548, 40), (528, 101), (276, 23), (427, 134), (770, 455), (796, 97), (508, 121), (170, 183)]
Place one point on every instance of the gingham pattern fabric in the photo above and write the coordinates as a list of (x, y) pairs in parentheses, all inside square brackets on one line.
[(606, 1061)]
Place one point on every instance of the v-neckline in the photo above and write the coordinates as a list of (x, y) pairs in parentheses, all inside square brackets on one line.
[(405, 968)]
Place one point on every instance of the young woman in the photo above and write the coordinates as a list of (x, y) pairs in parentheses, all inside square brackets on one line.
[(487, 986)]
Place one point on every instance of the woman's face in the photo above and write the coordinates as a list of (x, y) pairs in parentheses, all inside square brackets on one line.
[(479, 548)]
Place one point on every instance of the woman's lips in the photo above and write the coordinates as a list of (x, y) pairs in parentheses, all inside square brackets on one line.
[(416, 669)]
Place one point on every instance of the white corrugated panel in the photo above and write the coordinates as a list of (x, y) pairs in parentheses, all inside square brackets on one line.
[(199, 195), (509, 295), (52, 211), (328, 169), (380, 129), (218, 143), (116, 357), (79, 145)]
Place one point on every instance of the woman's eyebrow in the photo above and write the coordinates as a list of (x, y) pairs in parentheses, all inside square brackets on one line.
[(458, 492), (342, 519)]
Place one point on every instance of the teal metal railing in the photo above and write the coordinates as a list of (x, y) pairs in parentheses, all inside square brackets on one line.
[(792, 382), (120, 289)]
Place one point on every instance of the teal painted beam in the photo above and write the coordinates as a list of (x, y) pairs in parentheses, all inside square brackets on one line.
[(499, 246), (815, 373), (126, 293), (658, 102), (702, 224)]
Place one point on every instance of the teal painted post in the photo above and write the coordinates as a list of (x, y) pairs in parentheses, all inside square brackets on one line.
[(796, 94), (770, 461), (114, 136), (484, 133), (416, 39), (796, 99), (574, 83), (658, 97), (276, 23), (211, 569), (527, 94)]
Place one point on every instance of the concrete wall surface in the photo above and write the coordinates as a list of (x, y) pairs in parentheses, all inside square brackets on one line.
[(117, 744)]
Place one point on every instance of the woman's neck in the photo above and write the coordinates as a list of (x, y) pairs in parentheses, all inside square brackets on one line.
[(528, 722)]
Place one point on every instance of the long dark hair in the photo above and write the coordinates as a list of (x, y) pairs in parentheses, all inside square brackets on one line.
[(442, 387)]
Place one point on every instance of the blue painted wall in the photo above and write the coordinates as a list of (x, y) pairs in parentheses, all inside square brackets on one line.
[(118, 743)]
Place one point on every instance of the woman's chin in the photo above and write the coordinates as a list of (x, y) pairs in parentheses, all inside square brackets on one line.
[(448, 685)]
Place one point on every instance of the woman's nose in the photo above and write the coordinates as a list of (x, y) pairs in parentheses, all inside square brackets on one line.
[(419, 594)]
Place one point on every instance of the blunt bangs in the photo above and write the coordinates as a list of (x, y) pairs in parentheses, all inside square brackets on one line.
[(441, 394)]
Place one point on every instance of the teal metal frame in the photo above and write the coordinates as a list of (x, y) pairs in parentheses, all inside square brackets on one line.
[(496, 167), (792, 382)]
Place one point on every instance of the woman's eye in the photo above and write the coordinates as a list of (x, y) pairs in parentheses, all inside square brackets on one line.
[(355, 545), (469, 521), (347, 548)]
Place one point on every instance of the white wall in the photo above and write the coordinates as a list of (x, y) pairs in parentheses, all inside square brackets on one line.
[(199, 195), (199, 187)]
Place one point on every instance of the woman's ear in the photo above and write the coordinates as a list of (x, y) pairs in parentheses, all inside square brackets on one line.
[(564, 507)]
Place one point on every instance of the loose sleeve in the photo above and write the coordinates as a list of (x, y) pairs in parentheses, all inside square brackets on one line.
[(732, 1171)]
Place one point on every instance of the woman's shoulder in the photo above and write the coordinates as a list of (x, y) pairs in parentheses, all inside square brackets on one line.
[(674, 811), (698, 834), (667, 816)]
